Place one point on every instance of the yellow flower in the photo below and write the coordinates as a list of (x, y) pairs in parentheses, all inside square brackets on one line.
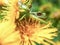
[(27, 31), (8, 35), (58, 43), (23, 1), (32, 31), (2, 2)]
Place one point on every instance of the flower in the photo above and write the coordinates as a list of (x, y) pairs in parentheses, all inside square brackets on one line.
[(23, 1), (58, 43), (2, 2), (32, 31), (25, 31), (8, 35)]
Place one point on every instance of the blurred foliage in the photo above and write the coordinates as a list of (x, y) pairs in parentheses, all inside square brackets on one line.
[(50, 8)]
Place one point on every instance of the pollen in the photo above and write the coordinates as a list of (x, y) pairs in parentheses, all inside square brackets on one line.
[(28, 26)]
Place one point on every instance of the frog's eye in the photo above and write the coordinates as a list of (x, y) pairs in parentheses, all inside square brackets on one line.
[(39, 13)]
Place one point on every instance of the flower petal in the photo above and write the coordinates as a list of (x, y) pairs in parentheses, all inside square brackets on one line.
[(47, 33), (12, 37)]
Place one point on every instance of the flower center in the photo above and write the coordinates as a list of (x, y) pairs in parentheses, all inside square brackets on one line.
[(27, 30), (27, 27)]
